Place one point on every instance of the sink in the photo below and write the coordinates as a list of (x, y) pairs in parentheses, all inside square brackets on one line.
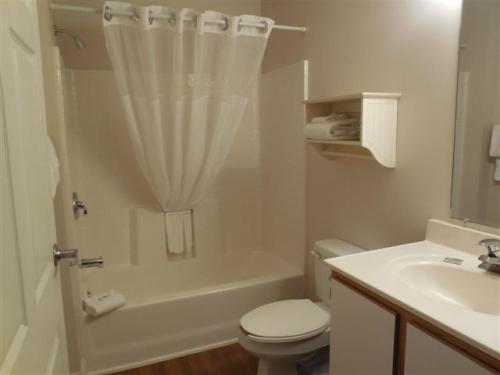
[(460, 285), (454, 295)]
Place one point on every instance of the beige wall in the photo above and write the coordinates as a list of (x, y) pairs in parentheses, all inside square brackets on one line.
[(385, 45), (283, 162), (476, 195)]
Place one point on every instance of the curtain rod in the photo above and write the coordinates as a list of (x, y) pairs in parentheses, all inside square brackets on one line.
[(75, 8)]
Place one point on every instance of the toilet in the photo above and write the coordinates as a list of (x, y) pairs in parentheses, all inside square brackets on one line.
[(284, 332)]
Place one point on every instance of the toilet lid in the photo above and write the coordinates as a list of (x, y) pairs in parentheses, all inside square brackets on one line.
[(284, 321)]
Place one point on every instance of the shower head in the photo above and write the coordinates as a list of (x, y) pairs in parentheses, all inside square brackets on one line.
[(79, 42)]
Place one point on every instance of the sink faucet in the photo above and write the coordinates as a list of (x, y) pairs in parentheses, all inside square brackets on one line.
[(490, 261)]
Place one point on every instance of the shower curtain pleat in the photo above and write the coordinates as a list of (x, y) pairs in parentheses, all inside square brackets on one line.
[(185, 87)]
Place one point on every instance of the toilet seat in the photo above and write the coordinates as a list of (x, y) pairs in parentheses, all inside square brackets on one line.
[(285, 321), (277, 340)]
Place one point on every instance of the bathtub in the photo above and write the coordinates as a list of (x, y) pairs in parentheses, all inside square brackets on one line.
[(180, 307)]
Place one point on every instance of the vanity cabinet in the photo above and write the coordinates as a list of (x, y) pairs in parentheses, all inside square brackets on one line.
[(372, 335), (425, 354), (362, 334)]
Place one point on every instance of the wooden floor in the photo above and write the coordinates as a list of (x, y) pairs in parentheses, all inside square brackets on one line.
[(227, 360)]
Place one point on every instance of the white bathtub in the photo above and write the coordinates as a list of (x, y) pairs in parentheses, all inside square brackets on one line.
[(180, 307)]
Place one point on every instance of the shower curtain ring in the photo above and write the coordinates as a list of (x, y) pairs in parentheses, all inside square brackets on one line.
[(150, 17), (135, 16), (107, 14), (224, 26), (264, 29), (172, 20)]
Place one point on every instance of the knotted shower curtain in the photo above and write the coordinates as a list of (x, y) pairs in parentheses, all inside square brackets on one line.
[(185, 83)]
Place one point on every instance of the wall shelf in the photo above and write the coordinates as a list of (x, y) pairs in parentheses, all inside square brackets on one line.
[(377, 113)]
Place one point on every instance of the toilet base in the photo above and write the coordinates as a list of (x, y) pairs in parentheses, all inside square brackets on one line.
[(267, 367), (282, 358)]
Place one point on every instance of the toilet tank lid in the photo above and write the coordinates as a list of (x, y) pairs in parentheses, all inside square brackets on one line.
[(333, 247)]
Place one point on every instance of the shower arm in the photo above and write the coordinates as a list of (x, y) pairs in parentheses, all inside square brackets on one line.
[(79, 42)]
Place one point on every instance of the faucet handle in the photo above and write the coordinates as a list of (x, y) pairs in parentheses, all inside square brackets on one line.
[(493, 246), (91, 262)]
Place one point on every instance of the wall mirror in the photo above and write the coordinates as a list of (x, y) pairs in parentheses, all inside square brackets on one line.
[(476, 167)]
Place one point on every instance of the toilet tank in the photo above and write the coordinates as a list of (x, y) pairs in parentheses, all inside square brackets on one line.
[(325, 249)]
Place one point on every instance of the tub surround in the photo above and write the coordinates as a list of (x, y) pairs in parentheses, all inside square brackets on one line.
[(459, 303)]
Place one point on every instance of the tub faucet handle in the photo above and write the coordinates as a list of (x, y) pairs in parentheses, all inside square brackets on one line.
[(91, 262)]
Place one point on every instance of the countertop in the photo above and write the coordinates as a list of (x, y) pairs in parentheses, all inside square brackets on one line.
[(380, 272)]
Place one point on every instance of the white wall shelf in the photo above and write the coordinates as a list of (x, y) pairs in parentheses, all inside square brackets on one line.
[(378, 114)]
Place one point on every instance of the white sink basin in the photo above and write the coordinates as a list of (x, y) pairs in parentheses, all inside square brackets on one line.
[(455, 284)]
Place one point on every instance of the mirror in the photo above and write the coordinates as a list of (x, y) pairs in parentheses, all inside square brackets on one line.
[(476, 166)]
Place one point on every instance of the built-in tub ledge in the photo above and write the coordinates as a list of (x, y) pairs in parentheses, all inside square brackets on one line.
[(433, 287)]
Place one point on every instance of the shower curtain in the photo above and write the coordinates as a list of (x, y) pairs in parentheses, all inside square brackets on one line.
[(185, 82)]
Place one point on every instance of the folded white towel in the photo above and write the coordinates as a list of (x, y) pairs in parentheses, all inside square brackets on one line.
[(179, 232), (342, 132), (103, 303), (54, 166), (338, 129), (495, 150), (332, 116)]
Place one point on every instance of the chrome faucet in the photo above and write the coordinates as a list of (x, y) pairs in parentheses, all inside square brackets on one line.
[(92, 262), (74, 259), (490, 261)]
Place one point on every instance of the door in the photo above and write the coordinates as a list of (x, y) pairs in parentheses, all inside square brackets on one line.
[(362, 334), (32, 337), (426, 355)]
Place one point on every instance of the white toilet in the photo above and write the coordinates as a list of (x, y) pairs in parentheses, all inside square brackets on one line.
[(284, 332)]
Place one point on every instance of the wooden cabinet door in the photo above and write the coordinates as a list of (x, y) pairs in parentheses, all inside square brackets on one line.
[(424, 355), (362, 334)]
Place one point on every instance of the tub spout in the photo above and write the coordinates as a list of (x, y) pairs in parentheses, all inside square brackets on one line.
[(92, 262)]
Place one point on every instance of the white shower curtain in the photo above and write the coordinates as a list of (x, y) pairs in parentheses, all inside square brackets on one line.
[(185, 83)]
